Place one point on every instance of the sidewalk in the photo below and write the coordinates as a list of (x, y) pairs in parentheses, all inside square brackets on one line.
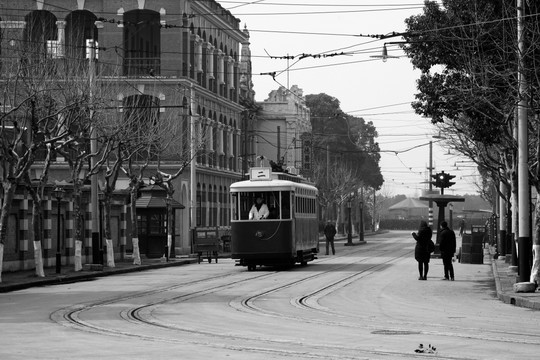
[(504, 282), (11, 281)]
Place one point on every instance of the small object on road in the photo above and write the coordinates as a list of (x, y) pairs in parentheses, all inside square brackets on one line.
[(429, 350)]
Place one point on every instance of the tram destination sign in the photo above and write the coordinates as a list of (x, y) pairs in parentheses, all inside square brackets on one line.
[(260, 173)]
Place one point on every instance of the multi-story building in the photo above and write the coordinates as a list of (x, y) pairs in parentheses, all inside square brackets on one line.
[(283, 130), (180, 61)]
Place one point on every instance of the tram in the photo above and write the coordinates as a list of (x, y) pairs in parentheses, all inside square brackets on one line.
[(288, 233)]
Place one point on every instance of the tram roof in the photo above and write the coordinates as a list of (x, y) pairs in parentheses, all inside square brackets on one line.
[(269, 185)]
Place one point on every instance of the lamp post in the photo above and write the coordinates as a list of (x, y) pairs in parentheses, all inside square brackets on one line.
[(361, 230), (349, 235), (451, 216), (101, 198), (58, 193)]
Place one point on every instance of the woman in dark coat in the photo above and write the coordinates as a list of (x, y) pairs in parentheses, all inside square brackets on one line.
[(421, 252)]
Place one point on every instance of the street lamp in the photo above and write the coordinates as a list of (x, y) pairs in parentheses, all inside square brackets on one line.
[(101, 198), (349, 235), (58, 193)]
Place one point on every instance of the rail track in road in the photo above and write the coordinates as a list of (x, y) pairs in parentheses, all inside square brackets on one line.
[(133, 321)]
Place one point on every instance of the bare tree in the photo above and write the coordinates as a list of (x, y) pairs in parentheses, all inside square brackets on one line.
[(41, 96), (183, 154)]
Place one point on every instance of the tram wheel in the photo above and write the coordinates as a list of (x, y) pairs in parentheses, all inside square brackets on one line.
[(251, 267)]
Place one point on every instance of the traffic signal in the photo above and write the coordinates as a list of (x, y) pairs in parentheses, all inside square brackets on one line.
[(438, 180), (447, 178), (442, 180)]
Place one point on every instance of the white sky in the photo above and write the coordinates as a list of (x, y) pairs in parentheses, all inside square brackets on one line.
[(367, 87)]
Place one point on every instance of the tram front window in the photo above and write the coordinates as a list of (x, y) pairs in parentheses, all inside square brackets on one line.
[(261, 205)]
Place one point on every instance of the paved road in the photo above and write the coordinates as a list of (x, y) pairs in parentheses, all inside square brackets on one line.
[(363, 303)]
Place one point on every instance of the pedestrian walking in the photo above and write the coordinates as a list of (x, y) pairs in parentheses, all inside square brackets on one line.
[(421, 251), (462, 227), (330, 231), (447, 245)]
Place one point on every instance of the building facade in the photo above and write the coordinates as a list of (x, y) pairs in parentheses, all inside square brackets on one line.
[(185, 64)]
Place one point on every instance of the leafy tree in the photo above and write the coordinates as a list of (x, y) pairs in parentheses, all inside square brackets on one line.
[(346, 155), (467, 53)]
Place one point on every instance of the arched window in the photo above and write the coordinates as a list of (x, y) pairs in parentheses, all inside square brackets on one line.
[(40, 35), (142, 43), (80, 28)]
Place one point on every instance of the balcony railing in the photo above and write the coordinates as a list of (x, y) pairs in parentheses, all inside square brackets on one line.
[(142, 66)]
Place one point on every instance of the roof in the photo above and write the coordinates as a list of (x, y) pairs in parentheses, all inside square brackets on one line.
[(151, 201), (408, 203), (154, 197)]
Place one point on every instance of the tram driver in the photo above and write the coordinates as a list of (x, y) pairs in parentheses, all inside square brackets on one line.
[(259, 210)]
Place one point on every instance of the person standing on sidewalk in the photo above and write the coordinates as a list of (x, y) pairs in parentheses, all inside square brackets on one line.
[(421, 252), (447, 245), (330, 231)]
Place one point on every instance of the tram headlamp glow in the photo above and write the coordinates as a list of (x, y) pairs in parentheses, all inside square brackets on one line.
[(259, 233)]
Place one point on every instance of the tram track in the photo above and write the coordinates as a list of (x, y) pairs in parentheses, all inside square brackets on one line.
[(144, 315), (311, 301)]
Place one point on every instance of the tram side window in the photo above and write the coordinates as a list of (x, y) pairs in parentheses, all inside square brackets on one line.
[(273, 205), (235, 208), (285, 204)]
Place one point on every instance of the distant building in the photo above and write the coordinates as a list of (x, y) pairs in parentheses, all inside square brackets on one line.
[(282, 131), (409, 209)]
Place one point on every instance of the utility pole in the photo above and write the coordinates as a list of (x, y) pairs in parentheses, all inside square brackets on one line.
[(430, 203), (193, 165), (278, 145), (245, 145), (97, 251), (524, 246)]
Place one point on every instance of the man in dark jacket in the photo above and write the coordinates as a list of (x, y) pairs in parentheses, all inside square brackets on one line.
[(447, 245), (330, 232)]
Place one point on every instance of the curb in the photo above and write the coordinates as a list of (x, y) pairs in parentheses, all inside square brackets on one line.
[(87, 276), (510, 298)]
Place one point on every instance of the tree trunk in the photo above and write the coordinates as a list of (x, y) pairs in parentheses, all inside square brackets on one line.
[(108, 238), (9, 190), (515, 215), (535, 271), (134, 226), (37, 226), (78, 227), (169, 226)]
